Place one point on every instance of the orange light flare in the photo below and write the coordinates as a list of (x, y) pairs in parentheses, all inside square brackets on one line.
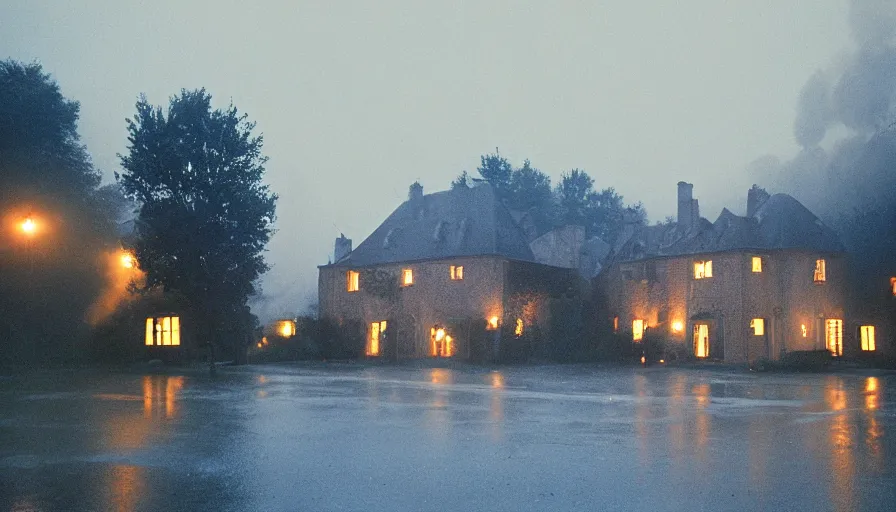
[(677, 326), (28, 226), (127, 260)]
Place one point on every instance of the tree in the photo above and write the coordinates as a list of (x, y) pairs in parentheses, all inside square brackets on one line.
[(462, 181), (497, 171), (575, 194), (204, 216), (46, 172)]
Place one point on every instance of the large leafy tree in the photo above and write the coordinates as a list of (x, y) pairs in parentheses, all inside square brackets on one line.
[(496, 170), (47, 174), (204, 215)]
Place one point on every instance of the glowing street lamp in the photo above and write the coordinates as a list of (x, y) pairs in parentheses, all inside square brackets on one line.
[(28, 226), (127, 260)]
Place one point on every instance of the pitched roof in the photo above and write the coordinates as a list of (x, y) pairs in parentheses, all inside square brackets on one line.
[(453, 223), (781, 222)]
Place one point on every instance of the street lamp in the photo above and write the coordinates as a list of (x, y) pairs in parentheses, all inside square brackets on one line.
[(28, 226)]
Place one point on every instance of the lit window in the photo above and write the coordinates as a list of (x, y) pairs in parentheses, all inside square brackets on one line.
[(352, 281), (804, 330), (442, 342), (457, 273), (893, 285), (407, 277), (702, 269), (615, 324), (867, 334), (492, 323), (637, 330), (820, 275), (286, 328), (701, 340), (373, 342), (163, 331), (758, 326), (757, 264), (834, 335), (518, 330)]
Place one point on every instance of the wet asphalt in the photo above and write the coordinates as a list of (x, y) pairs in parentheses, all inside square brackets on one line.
[(411, 438)]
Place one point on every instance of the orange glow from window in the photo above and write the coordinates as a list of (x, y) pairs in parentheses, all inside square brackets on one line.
[(834, 335), (701, 340), (804, 330), (702, 269), (757, 264), (492, 323), (407, 277), (637, 330), (615, 324), (893, 285), (758, 326), (377, 329), (677, 326), (259, 344), (820, 274), (286, 328), (163, 331), (518, 330), (352, 281), (867, 335), (457, 273)]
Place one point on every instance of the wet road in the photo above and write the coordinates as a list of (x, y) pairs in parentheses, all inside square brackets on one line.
[(399, 438)]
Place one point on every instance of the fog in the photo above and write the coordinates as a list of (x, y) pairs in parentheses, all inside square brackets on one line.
[(358, 100)]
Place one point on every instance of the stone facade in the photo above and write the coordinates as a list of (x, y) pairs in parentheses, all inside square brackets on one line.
[(664, 293)]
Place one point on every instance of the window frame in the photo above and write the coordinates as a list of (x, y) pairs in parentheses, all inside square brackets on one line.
[(352, 281), (758, 326), (702, 269), (820, 274), (756, 264), (456, 272), (407, 277), (868, 338)]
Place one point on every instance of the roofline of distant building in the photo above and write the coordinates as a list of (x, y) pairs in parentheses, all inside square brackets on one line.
[(429, 260), (753, 250)]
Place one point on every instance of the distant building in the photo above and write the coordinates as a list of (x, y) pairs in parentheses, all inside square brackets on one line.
[(452, 274), (737, 289)]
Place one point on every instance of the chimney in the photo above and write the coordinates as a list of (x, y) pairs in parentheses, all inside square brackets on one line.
[(343, 248), (756, 197), (686, 205), (415, 193)]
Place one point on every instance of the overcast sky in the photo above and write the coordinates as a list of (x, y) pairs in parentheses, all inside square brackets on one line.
[(357, 100)]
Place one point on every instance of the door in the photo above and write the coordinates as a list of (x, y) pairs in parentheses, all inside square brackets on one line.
[(701, 340)]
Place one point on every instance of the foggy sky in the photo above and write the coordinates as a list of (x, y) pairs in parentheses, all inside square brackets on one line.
[(358, 99)]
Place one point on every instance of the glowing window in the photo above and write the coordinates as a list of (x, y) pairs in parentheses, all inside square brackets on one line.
[(518, 330), (407, 277), (442, 342), (820, 275), (804, 330), (833, 333), (757, 264), (702, 269), (867, 335), (162, 331), (701, 340), (615, 324), (352, 281), (286, 328), (893, 285), (492, 323), (457, 273), (758, 326), (637, 330), (377, 329)]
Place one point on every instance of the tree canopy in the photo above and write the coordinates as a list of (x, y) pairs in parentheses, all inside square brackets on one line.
[(573, 201), (46, 175), (204, 216)]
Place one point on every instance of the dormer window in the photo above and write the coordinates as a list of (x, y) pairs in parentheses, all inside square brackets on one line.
[(407, 277), (757, 264), (820, 274), (457, 272), (702, 269), (352, 281)]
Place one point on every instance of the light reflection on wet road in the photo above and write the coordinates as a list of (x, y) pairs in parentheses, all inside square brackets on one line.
[(351, 437)]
